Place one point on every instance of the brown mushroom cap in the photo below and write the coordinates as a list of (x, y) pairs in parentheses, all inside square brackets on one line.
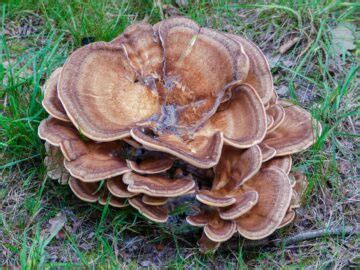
[(150, 165), (51, 101), (100, 93), (88, 192), (234, 169), (88, 161), (150, 200), (99, 163), (295, 133), (191, 54), (274, 189), (113, 201), (154, 213), (259, 75), (219, 230), (201, 151), (289, 217), (277, 113), (199, 220), (273, 100), (243, 122), (244, 202), (217, 198), (266, 151), (284, 163), (269, 121), (157, 186), (152, 75), (215, 228), (118, 188), (130, 141), (236, 166), (206, 244), (63, 135), (143, 49)]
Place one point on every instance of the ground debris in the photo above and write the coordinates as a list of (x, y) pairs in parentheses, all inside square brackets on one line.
[(288, 45)]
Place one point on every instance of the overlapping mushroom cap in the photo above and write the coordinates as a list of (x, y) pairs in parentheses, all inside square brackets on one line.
[(174, 110)]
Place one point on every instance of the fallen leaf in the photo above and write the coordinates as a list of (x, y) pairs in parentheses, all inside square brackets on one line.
[(288, 45), (343, 38), (57, 224)]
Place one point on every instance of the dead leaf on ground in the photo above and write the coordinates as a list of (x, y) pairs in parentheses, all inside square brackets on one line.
[(343, 38), (57, 224)]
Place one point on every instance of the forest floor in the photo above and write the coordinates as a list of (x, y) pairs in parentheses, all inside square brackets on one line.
[(313, 50)]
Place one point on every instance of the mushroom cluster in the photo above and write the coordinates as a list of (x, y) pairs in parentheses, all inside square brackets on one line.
[(174, 110)]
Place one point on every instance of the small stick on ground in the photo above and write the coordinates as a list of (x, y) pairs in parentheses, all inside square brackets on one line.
[(303, 236)]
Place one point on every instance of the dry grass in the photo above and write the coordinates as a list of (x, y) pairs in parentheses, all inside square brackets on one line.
[(37, 36)]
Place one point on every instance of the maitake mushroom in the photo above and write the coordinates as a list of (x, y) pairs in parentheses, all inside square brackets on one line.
[(171, 110)]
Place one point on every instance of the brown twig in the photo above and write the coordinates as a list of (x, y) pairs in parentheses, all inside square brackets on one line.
[(302, 236)]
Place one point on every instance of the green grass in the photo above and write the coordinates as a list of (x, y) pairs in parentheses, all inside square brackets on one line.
[(29, 199)]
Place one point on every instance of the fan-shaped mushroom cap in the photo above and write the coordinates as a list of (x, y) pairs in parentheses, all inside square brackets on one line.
[(266, 151), (277, 113), (63, 135), (217, 198), (235, 168), (295, 133), (118, 188), (157, 186), (273, 100), (154, 213), (244, 202), (243, 122), (100, 93), (289, 217), (88, 192), (150, 165), (88, 161), (284, 163), (200, 151), (150, 200), (219, 230), (199, 220), (51, 101), (259, 75), (206, 244), (215, 228), (231, 203), (113, 201), (143, 49), (132, 142), (269, 122), (101, 162), (274, 189), (133, 65), (191, 55), (298, 187)]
